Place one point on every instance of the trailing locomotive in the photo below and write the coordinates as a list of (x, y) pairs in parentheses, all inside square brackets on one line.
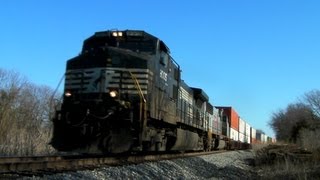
[(124, 92)]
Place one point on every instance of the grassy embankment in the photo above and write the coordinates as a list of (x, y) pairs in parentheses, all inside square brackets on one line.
[(287, 161)]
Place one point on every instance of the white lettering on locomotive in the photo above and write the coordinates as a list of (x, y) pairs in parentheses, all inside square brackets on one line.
[(163, 75)]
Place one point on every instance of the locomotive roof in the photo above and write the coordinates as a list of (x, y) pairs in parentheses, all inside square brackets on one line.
[(135, 34)]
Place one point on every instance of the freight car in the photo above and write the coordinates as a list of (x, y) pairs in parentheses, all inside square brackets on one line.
[(124, 93)]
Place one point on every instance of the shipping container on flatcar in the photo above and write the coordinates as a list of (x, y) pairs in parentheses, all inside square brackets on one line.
[(248, 139), (253, 135), (247, 133), (241, 137), (242, 125), (265, 139), (231, 115), (234, 134), (260, 136)]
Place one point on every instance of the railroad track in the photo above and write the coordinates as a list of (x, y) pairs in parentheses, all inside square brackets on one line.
[(52, 164)]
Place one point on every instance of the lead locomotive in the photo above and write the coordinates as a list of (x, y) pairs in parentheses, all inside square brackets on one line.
[(124, 93)]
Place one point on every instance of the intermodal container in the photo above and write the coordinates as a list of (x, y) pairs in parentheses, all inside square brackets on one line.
[(247, 132), (242, 126), (253, 133), (259, 136), (241, 137), (265, 139), (234, 119), (234, 134), (248, 139), (230, 115)]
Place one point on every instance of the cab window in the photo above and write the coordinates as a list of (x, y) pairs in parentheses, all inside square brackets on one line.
[(164, 58)]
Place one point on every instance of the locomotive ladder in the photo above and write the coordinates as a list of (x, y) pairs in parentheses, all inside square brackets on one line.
[(143, 107)]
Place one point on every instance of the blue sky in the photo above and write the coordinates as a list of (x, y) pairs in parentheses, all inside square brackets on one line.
[(255, 55)]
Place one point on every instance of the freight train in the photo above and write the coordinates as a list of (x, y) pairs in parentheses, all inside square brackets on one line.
[(124, 93)]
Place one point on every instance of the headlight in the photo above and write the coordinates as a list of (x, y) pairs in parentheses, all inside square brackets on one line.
[(67, 94), (115, 34), (113, 94)]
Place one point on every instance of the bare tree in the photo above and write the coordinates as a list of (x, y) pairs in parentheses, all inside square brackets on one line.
[(25, 111), (11, 84), (312, 99)]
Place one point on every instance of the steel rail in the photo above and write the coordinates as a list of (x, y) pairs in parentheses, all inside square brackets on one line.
[(51, 164)]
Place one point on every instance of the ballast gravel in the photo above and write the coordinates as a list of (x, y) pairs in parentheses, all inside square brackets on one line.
[(228, 165)]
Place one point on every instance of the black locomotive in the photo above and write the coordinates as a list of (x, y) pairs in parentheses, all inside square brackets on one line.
[(124, 93)]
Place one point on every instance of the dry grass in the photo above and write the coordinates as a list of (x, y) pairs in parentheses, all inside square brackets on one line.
[(310, 140), (289, 170), (24, 143), (256, 147), (283, 161)]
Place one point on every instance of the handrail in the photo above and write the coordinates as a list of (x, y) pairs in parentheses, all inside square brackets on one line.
[(136, 82), (143, 112)]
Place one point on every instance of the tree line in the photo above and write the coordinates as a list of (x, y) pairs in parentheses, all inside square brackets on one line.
[(25, 112), (299, 122)]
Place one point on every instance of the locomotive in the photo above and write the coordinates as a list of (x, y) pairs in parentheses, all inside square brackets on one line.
[(124, 93)]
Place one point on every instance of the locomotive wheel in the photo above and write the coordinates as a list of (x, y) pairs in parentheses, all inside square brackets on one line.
[(117, 141), (103, 145)]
